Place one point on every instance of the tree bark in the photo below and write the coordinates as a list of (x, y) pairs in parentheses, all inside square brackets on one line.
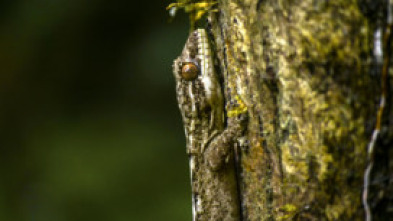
[(306, 71)]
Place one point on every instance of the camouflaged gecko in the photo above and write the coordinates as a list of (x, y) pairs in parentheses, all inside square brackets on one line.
[(210, 136)]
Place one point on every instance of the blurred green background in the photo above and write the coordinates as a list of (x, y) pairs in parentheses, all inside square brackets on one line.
[(90, 128)]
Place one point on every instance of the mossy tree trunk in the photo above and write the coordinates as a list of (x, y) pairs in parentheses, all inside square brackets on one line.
[(307, 74)]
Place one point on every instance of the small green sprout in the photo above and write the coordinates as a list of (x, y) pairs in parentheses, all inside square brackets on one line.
[(195, 9)]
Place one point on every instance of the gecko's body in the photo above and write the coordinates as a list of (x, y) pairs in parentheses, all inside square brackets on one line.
[(209, 138)]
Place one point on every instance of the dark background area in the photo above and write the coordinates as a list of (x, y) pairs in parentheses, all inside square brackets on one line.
[(90, 128)]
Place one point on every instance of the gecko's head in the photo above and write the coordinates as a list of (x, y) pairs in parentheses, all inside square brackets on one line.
[(187, 66), (197, 86)]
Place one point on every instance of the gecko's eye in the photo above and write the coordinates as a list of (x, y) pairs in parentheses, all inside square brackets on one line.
[(189, 71)]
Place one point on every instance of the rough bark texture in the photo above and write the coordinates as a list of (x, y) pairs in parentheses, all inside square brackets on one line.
[(305, 71)]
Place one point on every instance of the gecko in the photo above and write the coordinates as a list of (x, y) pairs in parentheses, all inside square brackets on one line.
[(210, 133)]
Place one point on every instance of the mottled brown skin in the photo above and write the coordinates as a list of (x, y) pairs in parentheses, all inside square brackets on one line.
[(209, 142)]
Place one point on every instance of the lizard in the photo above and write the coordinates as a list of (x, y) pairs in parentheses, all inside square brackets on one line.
[(211, 131)]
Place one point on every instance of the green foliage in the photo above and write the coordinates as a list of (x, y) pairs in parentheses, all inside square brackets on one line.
[(196, 9)]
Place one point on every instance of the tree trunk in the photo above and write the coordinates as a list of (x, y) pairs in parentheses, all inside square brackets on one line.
[(309, 73)]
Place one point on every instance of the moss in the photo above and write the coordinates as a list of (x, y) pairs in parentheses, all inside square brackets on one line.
[(317, 95), (299, 67), (313, 137)]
